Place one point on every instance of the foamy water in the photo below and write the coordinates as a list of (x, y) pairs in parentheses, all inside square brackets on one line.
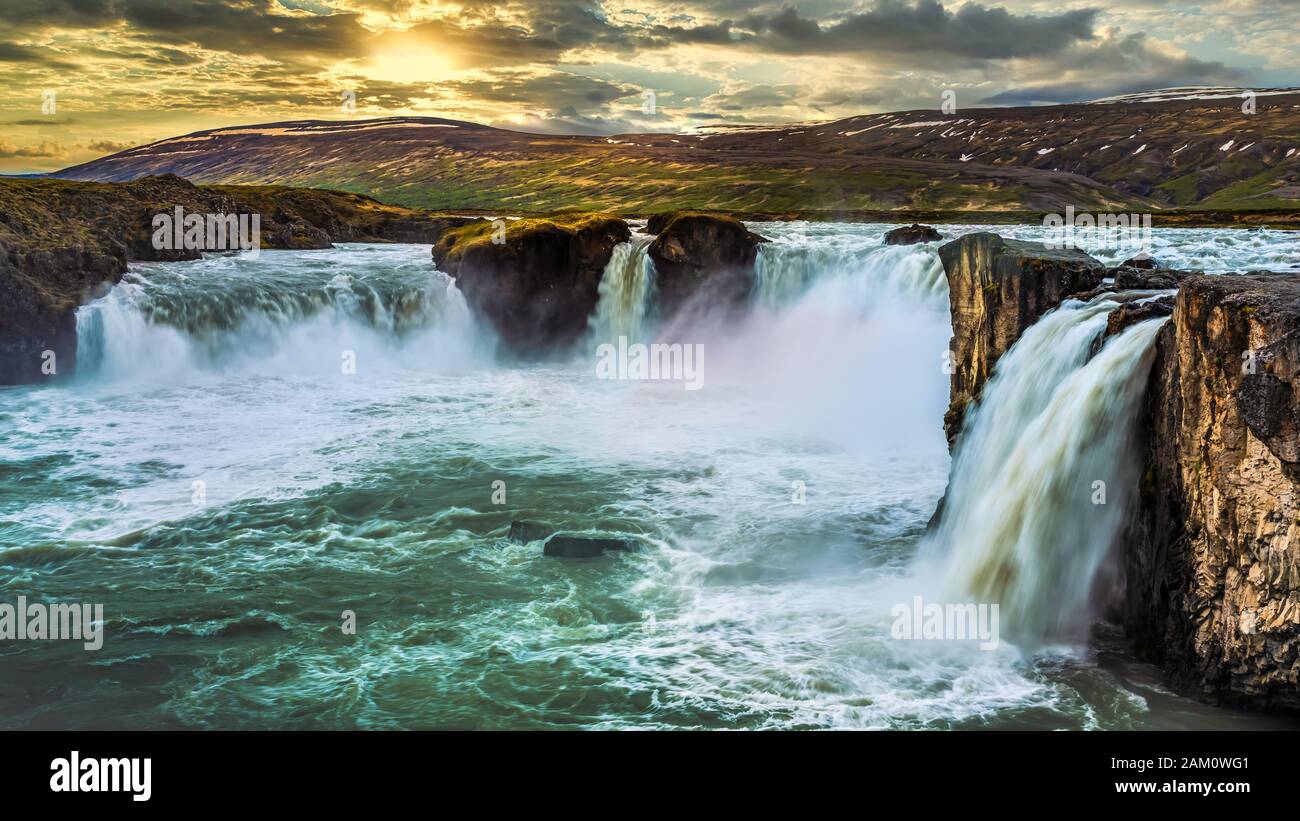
[(780, 510)]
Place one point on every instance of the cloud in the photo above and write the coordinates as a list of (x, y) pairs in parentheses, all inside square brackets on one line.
[(548, 91), (14, 53), (43, 122), (107, 146), (1119, 65), (925, 33), (44, 150), (39, 14)]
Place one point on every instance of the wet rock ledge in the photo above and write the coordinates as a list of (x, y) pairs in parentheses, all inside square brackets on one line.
[(536, 280), (702, 260)]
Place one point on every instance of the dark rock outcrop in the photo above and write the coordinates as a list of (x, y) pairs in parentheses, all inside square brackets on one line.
[(582, 547), (535, 280), (997, 288), (524, 532), (1147, 279), (63, 243), (1141, 262), (1213, 573), (657, 222), (1131, 313), (912, 234), (702, 258)]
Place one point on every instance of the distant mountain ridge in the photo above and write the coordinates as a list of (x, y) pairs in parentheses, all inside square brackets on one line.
[(1163, 149)]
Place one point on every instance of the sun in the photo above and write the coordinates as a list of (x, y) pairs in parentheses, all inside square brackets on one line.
[(410, 63)]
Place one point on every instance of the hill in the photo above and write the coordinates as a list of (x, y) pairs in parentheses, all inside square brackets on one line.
[(1150, 152)]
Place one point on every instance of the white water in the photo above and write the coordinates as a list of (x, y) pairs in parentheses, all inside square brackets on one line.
[(374, 491), (380, 309), (1044, 472), (625, 308)]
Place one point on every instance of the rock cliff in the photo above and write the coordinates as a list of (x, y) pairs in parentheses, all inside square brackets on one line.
[(1213, 562), (705, 260), (534, 280), (997, 288)]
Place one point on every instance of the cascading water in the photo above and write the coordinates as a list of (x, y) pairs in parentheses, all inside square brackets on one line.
[(804, 253), (299, 313), (625, 307), (780, 507), (1044, 471)]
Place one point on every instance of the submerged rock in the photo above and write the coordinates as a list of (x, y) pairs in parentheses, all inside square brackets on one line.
[(1213, 574), (997, 288), (524, 532), (705, 259), (536, 281), (912, 234), (583, 547)]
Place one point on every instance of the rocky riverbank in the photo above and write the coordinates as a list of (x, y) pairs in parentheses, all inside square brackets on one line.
[(1211, 584)]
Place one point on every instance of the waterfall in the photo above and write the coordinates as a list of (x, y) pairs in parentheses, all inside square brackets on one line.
[(280, 313), (1044, 470), (625, 306), (787, 267)]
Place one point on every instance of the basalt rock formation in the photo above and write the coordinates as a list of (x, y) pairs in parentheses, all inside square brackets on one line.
[(1212, 565), (704, 260), (912, 234), (1211, 587), (997, 288), (536, 281), (64, 243)]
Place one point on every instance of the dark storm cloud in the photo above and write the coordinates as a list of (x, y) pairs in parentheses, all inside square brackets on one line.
[(926, 31), (244, 27), (552, 92), (483, 36), (32, 14), (249, 27), (14, 53), (1123, 65)]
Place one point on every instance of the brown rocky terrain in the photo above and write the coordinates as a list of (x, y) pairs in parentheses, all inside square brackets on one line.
[(705, 257), (536, 281)]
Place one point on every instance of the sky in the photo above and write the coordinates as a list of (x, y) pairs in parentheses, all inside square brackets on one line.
[(83, 78)]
